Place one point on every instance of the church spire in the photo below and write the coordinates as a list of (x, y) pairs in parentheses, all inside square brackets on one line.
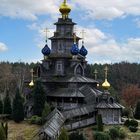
[(64, 9)]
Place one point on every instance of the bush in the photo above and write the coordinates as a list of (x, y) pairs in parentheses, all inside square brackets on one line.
[(126, 112), (122, 134), (76, 136), (63, 135), (137, 111), (114, 132), (94, 128), (2, 133), (133, 128), (131, 123), (101, 136), (134, 123), (127, 123), (35, 120)]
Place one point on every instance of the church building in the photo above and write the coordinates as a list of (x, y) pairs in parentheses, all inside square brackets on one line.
[(76, 98)]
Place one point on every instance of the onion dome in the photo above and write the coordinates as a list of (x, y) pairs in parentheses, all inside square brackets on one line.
[(64, 9), (106, 85), (46, 50), (83, 51), (74, 49)]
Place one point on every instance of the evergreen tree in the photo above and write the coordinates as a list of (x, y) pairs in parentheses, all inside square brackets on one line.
[(137, 111), (39, 98), (18, 109), (2, 133), (1, 107), (63, 135), (99, 122), (46, 110), (7, 104)]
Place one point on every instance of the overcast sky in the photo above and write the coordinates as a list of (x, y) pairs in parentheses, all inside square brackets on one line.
[(112, 28)]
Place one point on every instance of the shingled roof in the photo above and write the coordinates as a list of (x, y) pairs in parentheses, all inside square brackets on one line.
[(54, 122)]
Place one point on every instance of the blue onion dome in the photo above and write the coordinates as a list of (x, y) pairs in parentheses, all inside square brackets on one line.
[(74, 49), (46, 50), (83, 51)]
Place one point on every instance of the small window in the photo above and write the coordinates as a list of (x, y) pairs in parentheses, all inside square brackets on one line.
[(59, 66)]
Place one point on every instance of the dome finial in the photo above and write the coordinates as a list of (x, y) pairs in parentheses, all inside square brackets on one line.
[(106, 84), (64, 9), (83, 36), (31, 84), (95, 74), (46, 34)]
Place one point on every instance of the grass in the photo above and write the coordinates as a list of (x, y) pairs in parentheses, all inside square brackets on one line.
[(21, 131)]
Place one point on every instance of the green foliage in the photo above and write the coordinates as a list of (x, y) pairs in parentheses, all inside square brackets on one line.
[(133, 129), (99, 122), (137, 111), (1, 106), (46, 110), (76, 136), (114, 133), (39, 98), (63, 135), (126, 112), (101, 136), (7, 104), (18, 109), (5, 128), (122, 134), (2, 133), (35, 120), (131, 123)]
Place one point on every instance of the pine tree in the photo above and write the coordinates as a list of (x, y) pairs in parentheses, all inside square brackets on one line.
[(2, 133), (1, 107), (137, 111), (39, 98), (18, 109), (63, 135), (7, 104), (99, 122), (46, 110)]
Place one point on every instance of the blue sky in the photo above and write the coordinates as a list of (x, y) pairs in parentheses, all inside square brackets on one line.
[(112, 28)]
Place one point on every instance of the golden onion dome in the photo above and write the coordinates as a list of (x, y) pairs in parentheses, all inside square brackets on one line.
[(31, 84), (106, 85), (64, 9)]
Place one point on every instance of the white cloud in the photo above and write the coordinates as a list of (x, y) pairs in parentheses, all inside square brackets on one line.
[(28, 9), (109, 9), (97, 9), (3, 47), (103, 47)]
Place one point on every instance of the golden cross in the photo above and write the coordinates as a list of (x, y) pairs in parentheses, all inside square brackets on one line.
[(74, 36), (65, 1), (95, 74), (46, 31), (106, 72), (83, 34), (32, 73)]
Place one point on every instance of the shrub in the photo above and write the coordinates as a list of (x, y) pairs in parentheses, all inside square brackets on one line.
[(2, 133), (63, 135), (35, 120), (133, 128), (101, 136), (122, 134), (94, 128), (114, 132), (76, 136), (127, 123), (126, 112), (131, 123), (99, 122), (137, 111)]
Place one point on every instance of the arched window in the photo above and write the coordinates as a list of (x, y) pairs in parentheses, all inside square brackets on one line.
[(78, 70), (111, 100)]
